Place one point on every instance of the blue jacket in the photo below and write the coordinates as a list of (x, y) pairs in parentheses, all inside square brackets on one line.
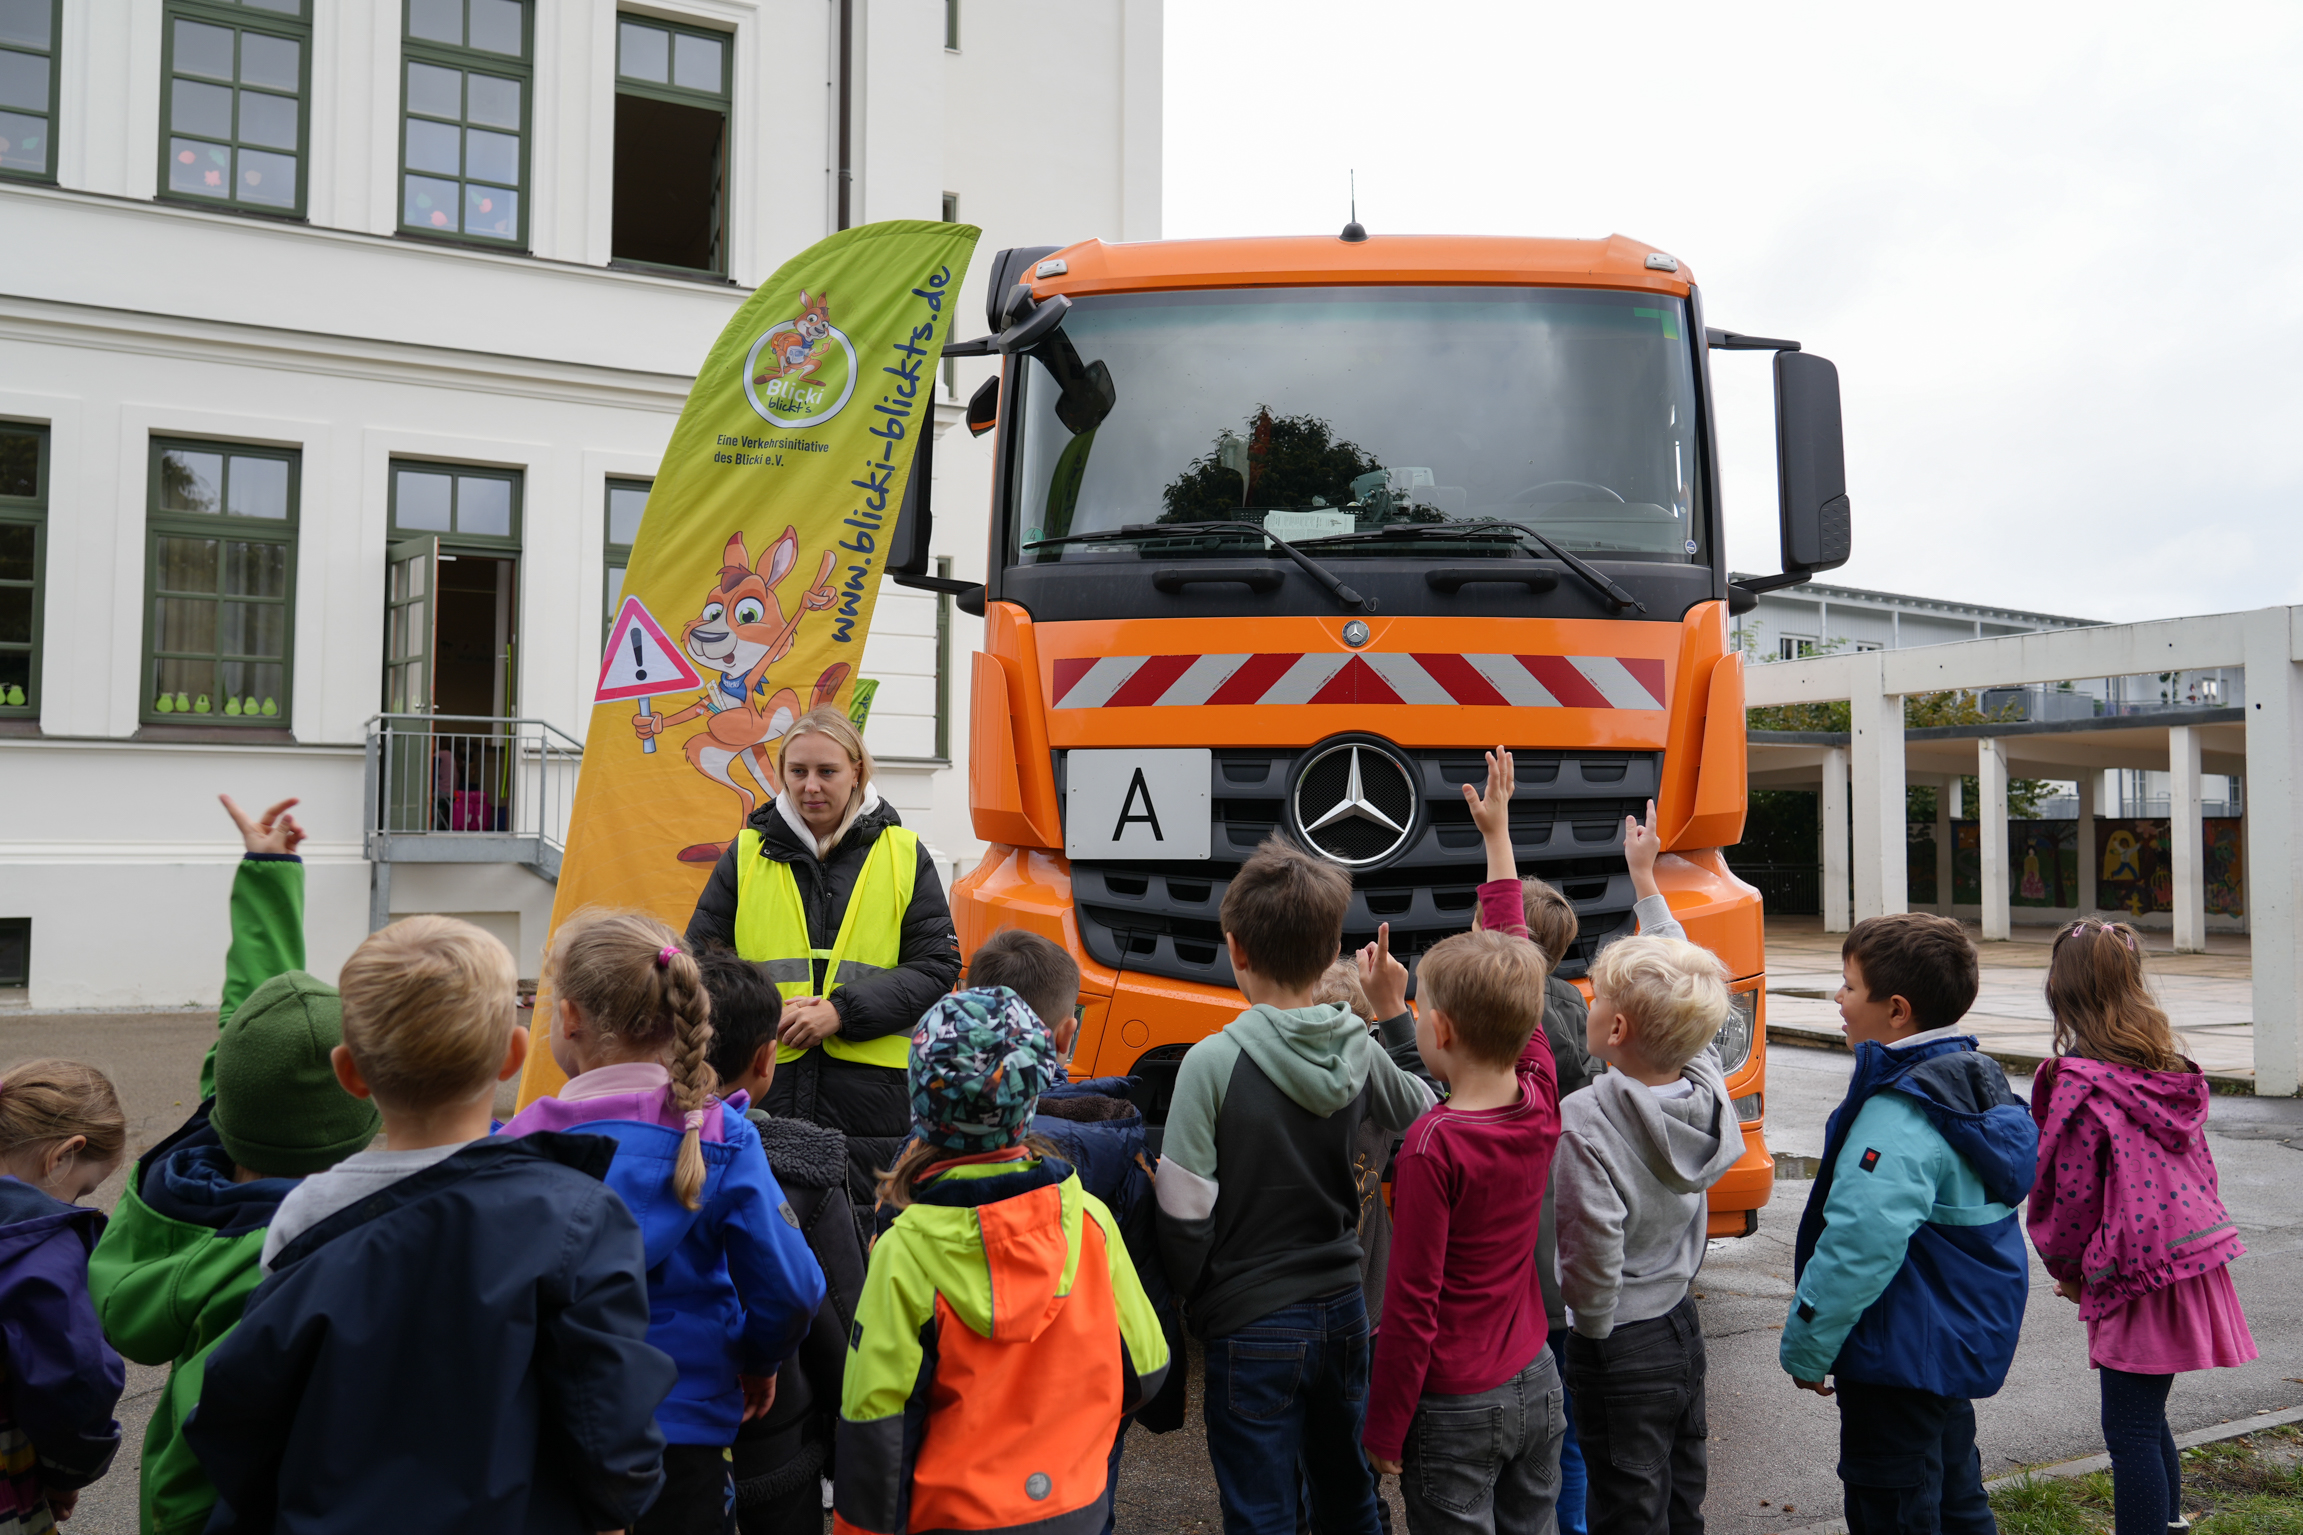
[(732, 1284), (465, 1351), (59, 1379), (1910, 1260)]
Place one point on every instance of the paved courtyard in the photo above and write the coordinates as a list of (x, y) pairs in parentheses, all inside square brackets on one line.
[(2209, 997)]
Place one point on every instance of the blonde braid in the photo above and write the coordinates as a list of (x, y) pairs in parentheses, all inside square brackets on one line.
[(685, 1001)]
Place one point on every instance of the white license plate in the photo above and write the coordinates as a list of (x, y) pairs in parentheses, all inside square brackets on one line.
[(1137, 804)]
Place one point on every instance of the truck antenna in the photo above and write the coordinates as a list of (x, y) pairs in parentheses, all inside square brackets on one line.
[(1354, 232)]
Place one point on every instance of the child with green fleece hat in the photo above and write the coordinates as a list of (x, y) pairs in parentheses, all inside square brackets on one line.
[(179, 1259)]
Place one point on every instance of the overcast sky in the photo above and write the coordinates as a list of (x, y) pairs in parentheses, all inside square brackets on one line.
[(2053, 250)]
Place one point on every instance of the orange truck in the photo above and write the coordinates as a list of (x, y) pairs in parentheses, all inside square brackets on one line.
[(1286, 531)]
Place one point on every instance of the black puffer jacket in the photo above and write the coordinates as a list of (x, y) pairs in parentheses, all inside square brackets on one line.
[(870, 1105), (779, 1457)]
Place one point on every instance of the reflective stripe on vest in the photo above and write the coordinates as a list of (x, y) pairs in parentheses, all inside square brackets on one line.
[(772, 930)]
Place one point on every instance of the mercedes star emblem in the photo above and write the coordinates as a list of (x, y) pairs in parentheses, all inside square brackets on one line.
[(1355, 634), (1354, 804)]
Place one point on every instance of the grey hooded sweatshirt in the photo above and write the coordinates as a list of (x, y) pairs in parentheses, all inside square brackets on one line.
[(1258, 1202), (1629, 1179)]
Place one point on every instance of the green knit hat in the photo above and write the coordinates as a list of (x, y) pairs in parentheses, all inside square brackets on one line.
[(279, 1108)]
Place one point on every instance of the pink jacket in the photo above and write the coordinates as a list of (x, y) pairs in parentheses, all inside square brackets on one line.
[(2126, 1196)]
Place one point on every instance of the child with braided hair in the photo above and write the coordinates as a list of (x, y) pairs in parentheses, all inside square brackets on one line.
[(732, 1284)]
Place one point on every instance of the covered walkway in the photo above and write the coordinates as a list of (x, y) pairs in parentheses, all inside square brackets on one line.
[(1863, 774)]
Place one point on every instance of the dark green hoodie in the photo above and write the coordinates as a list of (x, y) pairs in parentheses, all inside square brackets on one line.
[(1258, 1202), (178, 1260)]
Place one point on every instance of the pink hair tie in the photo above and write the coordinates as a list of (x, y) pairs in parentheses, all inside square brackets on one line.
[(694, 1121), (664, 956)]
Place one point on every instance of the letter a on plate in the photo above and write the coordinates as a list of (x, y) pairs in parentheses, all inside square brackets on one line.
[(1137, 804)]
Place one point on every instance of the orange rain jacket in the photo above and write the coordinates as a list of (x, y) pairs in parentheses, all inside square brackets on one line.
[(1001, 1338)]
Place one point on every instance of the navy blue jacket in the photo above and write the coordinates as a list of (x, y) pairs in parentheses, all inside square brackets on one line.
[(59, 1379), (1925, 1238), (464, 1351)]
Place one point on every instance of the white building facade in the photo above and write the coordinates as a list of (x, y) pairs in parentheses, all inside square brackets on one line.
[(284, 282)]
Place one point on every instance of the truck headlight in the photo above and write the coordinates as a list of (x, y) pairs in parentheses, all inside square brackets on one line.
[(1735, 1036)]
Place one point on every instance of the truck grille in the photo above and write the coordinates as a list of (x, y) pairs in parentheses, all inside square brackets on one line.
[(1160, 918)]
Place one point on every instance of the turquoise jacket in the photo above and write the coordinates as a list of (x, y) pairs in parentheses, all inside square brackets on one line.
[(1910, 1262)]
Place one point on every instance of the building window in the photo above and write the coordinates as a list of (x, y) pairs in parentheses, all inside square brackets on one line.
[(464, 139), (1863, 645), (220, 568), (1791, 647), (626, 500), (478, 508), (671, 146), (951, 26), (28, 87), (233, 128), (23, 552)]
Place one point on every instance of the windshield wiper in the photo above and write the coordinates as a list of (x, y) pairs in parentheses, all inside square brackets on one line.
[(1407, 530), (1148, 530)]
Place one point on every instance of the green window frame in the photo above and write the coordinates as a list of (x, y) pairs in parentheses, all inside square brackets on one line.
[(951, 26), (28, 44), (673, 146), (466, 100), (23, 563), (626, 500), (220, 584), (464, 507), (235, 104)]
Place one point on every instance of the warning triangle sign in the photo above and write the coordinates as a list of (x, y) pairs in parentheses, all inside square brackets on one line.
[(641, 659)]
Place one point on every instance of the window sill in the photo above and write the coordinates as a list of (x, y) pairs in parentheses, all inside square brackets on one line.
[(460, 243), (927, 762), (217, 735), (19, 726), (676, 273), (229, 209)]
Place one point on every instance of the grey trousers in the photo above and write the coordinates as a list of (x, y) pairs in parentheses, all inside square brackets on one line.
[(1487, 1464)]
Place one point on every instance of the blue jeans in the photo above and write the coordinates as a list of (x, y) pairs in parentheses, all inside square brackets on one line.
[(2146, 1473), (1908, 1463), (1571, 1477), (1291, 1387), (1487, 1462)]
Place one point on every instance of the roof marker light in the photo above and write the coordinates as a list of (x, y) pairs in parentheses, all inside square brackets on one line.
[(1055, 268), (1657, 261)]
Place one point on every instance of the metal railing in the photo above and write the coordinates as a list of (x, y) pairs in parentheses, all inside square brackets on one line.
[(462, 788)]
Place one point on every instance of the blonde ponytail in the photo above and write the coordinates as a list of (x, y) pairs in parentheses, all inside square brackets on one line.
[(635, 981), (689, 1006)]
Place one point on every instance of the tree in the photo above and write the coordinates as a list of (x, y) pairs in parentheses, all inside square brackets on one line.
[(1289, 461)]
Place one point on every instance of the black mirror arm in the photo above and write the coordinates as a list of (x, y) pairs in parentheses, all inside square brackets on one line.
[(1734, 341), (969, 594), (1743, 595), (980, 346)]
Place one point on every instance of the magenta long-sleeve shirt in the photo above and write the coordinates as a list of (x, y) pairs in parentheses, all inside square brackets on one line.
[(1462, 1304)]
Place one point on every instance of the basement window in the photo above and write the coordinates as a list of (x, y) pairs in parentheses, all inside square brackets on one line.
[(671, 172)]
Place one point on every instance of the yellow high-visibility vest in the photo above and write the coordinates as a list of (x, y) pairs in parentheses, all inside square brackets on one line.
[(772, 930)]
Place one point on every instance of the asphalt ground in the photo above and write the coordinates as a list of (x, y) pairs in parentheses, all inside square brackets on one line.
[(1773, 1448)]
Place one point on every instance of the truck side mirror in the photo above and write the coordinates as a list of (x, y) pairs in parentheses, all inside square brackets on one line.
[(984, 407), (1810, 463), (908, 557)]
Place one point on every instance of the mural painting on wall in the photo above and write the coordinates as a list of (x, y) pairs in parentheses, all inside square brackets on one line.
[(2136, 873), (2226, 869), (2042, 863)]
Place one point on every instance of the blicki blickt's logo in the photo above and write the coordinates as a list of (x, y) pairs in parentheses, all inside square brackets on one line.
[(801, 371)]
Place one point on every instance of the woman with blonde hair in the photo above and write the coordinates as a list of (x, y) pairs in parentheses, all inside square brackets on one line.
[(840, 905)]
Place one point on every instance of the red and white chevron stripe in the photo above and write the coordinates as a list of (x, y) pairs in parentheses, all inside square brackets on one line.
[(1373, 677)]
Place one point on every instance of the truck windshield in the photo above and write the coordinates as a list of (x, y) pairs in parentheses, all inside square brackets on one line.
[(1321, 414)]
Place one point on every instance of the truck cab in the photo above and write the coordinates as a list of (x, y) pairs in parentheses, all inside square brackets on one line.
[(1287, 532)]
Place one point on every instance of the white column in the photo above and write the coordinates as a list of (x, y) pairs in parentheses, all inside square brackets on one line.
[(1958, 789), (2184, 839), (1947, 788), (1882, 834), (2274, 831), (1834, 812), (1991, 813), (2089, 783)]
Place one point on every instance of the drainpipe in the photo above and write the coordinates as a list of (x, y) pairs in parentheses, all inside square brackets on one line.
[(846, 106)]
